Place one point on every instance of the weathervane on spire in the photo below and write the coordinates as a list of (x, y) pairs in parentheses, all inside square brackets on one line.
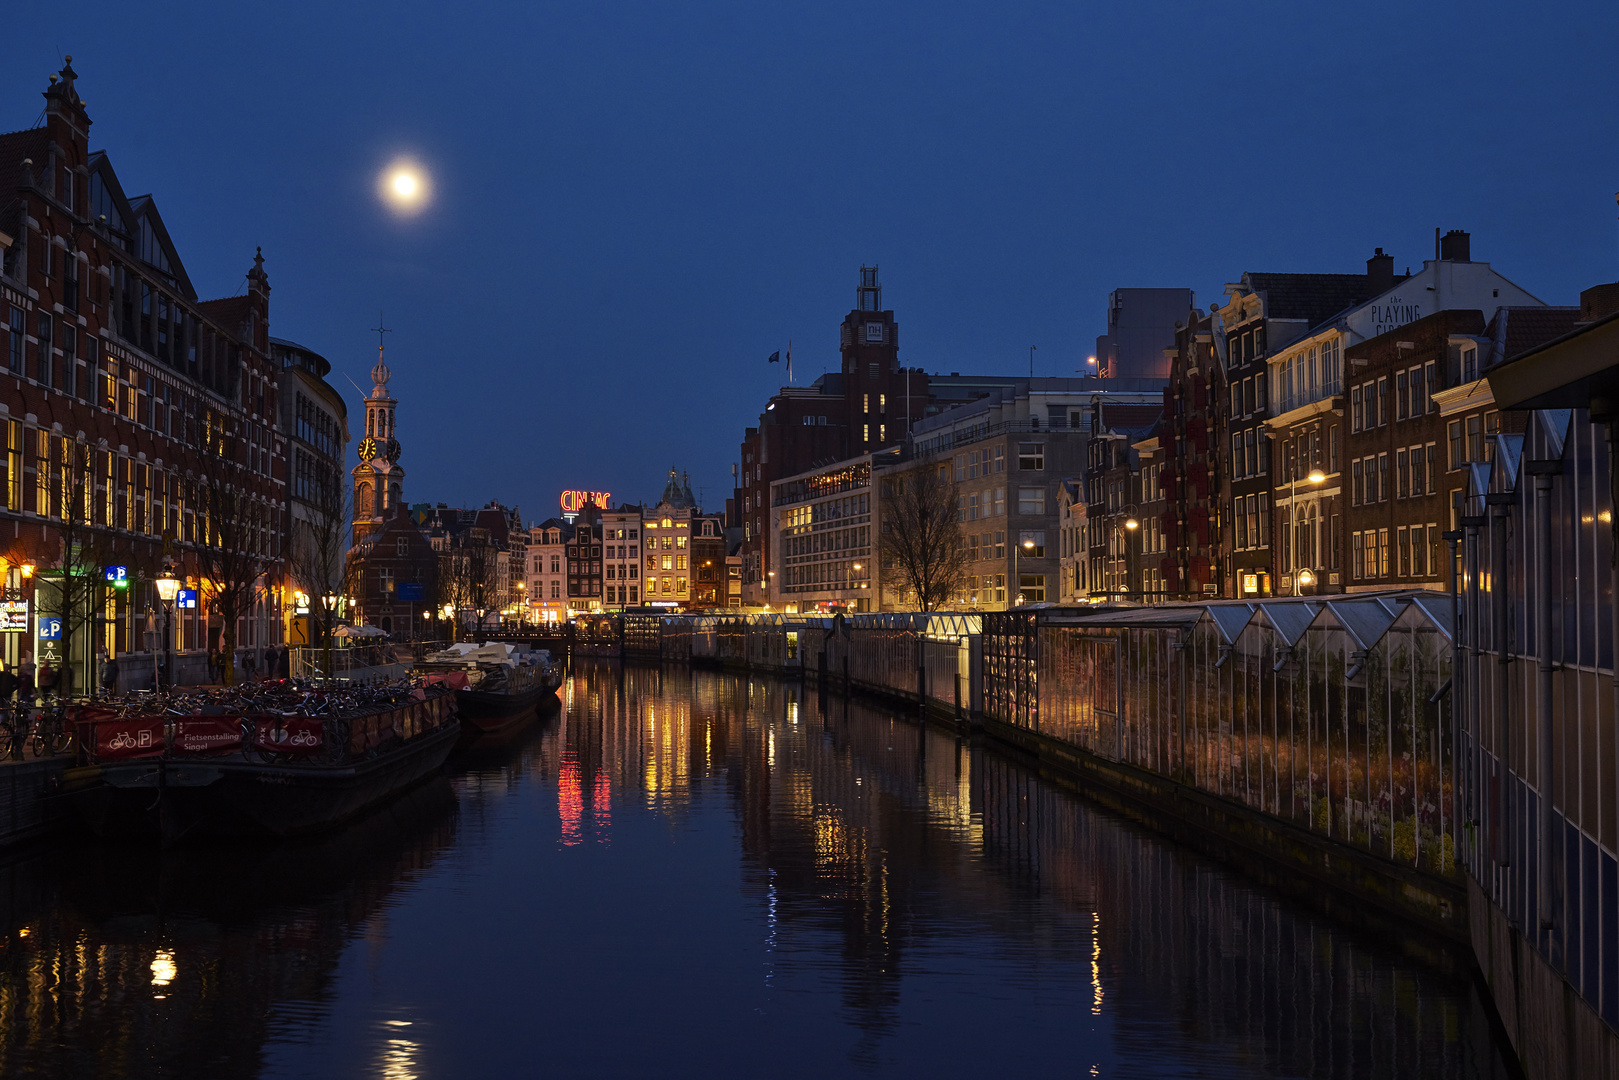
[(380, 373)]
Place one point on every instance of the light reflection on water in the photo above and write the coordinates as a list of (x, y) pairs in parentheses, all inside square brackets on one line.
[(698, 874)]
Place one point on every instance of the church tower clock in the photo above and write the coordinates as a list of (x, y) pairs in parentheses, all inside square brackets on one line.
[(379, 479)]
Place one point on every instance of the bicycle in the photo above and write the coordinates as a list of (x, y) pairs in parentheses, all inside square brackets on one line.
[(50, 731)]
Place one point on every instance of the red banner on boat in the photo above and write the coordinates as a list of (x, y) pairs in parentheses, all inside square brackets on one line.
[(455, 680), (207, 734), (135, 737), (291, 735)]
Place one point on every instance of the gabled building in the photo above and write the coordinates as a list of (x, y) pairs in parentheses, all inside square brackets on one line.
[(1319, 393), (1114, 482), (125, 385), (547, 570), (1266, 314)]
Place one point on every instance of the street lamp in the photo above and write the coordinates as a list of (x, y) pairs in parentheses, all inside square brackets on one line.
[(168, 588), (329, 601), (1017, 578), (1305, 576)]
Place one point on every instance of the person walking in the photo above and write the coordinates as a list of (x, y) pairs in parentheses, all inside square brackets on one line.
[(109, 673), (46, 679), (216, 667), (249, 665), (8, 682), (25, 679)]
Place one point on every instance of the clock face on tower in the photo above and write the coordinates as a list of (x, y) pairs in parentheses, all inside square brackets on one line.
[(391, 451), (368, 448)]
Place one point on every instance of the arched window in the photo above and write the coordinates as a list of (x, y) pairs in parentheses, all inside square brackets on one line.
[(393, 495), (362, 500)]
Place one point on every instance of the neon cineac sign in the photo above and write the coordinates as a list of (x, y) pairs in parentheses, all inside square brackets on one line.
[(575, 501)]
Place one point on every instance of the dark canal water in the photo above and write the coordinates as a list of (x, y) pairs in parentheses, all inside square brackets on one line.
[(692, 874)]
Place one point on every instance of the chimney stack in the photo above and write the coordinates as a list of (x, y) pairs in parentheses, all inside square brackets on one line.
[(1456, 246), (1380, 273)]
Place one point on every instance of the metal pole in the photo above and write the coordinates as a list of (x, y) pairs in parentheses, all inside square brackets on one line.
[(1545, 777)]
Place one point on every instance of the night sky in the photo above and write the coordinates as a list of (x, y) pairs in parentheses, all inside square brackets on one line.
[(635, 204)]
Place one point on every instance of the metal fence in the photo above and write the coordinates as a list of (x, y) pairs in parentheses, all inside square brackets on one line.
[(1330, 714)]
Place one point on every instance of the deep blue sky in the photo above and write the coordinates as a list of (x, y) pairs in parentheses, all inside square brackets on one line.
[(637, 203)]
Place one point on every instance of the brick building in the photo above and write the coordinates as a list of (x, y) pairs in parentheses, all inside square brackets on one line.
[(1114, 482), (128, 399), (1316, 388), (547, 570), (1193, 437)]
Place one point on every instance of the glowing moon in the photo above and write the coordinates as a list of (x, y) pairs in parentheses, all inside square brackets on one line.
[(404, 186)]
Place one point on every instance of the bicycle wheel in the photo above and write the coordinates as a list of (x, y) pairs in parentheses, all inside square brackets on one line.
[(8, 737), (61, 736)]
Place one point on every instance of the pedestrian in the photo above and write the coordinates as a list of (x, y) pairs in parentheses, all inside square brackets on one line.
[(25, 679), (109, 673), (216, 667), (8, 682), (249, 665), (45, 679), (282, 663)]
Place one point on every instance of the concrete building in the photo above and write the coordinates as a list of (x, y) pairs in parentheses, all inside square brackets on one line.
[(822, 524), (1140, 327), (1009, 451), (1074, 551)]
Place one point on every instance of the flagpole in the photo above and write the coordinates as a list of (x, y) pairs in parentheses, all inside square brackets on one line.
[(789, 361)]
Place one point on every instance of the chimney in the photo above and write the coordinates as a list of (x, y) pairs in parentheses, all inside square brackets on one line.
[(1456, 246), (1380, 273), (1599, 301)]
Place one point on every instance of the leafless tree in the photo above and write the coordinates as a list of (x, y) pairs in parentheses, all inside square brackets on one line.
[(73, 585), (236, 530), (318, 555), (921, 539)]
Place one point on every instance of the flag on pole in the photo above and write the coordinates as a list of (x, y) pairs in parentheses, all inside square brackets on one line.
[(774, 357), (789, 362)]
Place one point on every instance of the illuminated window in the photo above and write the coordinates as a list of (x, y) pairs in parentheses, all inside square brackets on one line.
[(865, 403), (865, 432)]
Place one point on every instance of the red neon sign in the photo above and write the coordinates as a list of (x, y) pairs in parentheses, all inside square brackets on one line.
[(575, 501)]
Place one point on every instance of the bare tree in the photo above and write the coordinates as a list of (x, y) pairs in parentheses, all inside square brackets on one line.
[(319, 558), (235, 529), (921, 538), (74, 579)]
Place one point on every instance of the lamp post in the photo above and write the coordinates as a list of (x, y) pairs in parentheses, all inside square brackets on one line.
[(329, 602), (1131, 525), (1017, 579), (1305, 576), (168, 587)]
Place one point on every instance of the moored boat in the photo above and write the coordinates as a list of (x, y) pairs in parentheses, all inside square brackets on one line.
[(495, 684), (175, 776)]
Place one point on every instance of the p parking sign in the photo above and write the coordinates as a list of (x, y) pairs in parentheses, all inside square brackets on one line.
[(50, 628)]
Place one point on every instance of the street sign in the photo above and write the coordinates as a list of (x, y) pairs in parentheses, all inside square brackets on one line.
[(185, 598), (411, 591), (118, 576), (13, 616), (50, 628)]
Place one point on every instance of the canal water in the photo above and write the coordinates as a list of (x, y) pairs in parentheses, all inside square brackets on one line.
[(679, 873)]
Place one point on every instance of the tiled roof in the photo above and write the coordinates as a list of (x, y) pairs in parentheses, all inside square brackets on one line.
[(1311, 297), (230, 312), (1529, 327)]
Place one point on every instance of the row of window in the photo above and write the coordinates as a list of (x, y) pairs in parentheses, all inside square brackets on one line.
[(1370, 405), (838, 540), (976, 463), (1251, 521), (1416, 552), (1248, 396), (1415, 473), (1250, 453), (1311, 374)]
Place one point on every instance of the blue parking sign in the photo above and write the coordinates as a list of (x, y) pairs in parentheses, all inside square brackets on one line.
[(50, 628)]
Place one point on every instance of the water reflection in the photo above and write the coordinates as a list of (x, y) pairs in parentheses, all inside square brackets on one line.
[(675, 873), (133, 962)]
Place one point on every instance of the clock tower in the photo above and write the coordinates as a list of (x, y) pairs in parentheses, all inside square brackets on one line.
[(379, 479)]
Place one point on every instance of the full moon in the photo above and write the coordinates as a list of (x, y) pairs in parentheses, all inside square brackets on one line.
[(404, 186)]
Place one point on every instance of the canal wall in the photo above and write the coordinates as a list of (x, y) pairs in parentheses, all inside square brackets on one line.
[(30, 798)]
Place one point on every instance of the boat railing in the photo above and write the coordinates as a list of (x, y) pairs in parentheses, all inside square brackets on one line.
[(107, 735)]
